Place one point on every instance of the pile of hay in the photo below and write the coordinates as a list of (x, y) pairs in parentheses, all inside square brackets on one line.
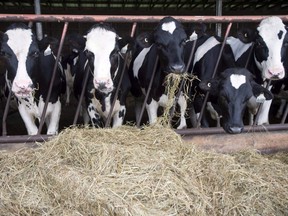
[(128, 171)]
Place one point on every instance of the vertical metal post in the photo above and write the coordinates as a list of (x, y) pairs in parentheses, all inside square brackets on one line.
[(4, 128), (37, 8), (219, 13)]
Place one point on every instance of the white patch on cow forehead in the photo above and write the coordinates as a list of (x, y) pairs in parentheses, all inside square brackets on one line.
[(170, 27), (19, 40), (270, 27), (100, 40), (237, 80)]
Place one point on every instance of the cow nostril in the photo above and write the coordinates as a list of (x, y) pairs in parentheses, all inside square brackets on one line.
[(235, 130), (178, 68)]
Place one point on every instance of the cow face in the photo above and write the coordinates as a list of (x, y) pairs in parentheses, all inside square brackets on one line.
[(169, 37), (102, 52), (271, 44), (20, 52), (234, 89)]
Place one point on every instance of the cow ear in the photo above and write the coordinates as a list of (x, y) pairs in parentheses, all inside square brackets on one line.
[(3, 37), (46, 41), (145, 39), (196, 31), (209, 85), (125, 41), (246, 35), (258, 89)]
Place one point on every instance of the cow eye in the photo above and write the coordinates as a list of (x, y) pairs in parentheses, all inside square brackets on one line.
[(182, 43)]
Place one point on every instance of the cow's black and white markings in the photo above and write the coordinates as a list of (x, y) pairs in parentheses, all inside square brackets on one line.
[(21, 54), (101, 57), (167, 42), (203, 64), (269, 55), (232, 90)]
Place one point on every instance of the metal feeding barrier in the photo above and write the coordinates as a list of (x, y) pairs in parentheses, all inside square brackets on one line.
[(134, 20)]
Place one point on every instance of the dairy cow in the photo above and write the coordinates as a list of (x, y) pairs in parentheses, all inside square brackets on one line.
[(28, 74), (269, 55), (207, 51), (167, 42), (102, 59), (232, 90)]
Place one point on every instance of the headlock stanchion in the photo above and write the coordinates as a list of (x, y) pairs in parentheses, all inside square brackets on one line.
[(66, 19)]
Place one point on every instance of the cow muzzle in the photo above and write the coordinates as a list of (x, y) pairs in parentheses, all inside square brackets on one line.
[(104, 85), (275, 74), (22, 88), (176, 68), (233, 129)]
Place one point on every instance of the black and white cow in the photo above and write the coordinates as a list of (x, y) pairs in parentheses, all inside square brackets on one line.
[(167, 42), (269, 54), (25, 76), (207, 51), (232, 91), (72, 46), (103, 60)]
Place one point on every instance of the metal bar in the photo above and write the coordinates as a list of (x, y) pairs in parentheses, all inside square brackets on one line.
[(87, 70), (5, 114), (130, 18), (52, 78), (220, 130), (249, 55), (148, 91), (219, 13), (285, 114), (37, 8), (108, 120), (24, 139), (214, 73)]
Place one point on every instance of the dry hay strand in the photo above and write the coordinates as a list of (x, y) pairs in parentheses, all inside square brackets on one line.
[(172, 83), (128, 171)]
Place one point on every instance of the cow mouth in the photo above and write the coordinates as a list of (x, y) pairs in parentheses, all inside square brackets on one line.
[(274, 76), (105, 90), (23, 93)]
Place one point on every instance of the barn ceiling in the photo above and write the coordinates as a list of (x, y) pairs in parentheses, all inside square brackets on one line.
[(147, 7)]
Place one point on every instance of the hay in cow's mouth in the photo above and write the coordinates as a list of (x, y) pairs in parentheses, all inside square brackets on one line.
[(130, 171)]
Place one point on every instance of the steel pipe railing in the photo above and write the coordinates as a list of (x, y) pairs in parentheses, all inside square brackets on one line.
[(129, 18)]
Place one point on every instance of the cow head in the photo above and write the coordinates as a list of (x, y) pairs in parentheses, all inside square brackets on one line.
[(169, 37), (20, 52), (102, 49), (234, 89), (271, 44)]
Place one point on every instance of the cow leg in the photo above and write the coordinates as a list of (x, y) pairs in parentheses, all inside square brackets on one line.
[(118, 118), (53, 118), (264, 113), (28, 118), (152, 109), (281, 108), (94, 115), (138, 107), (68, 92), (183, 106)]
